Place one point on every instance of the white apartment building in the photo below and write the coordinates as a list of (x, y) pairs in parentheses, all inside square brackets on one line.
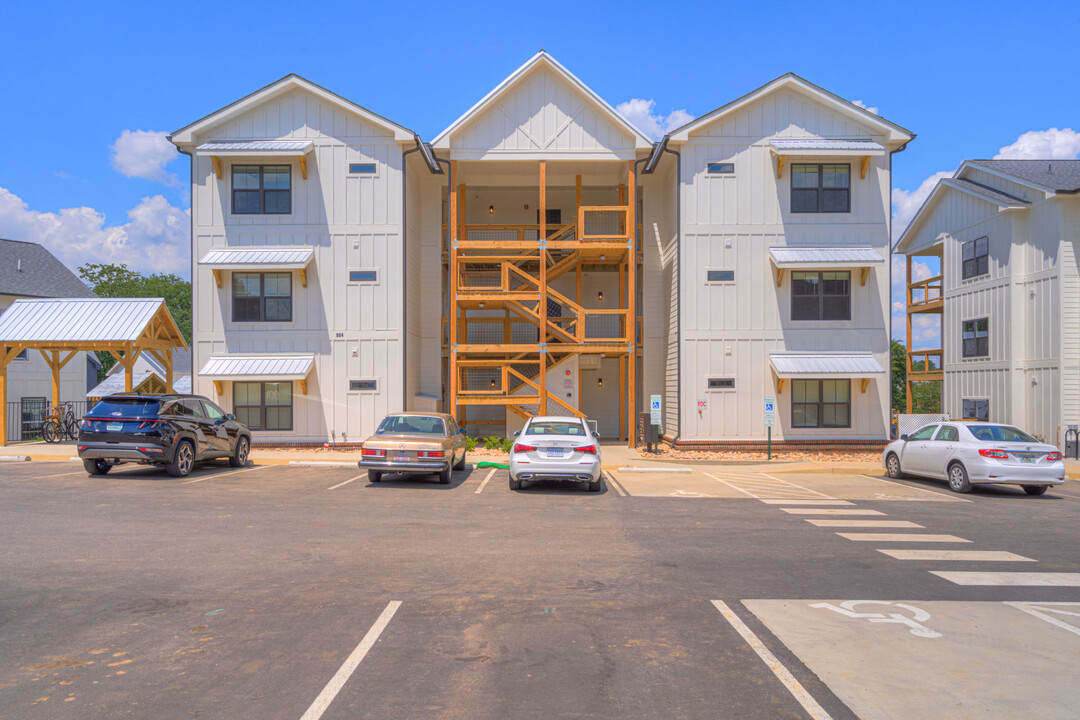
[(543, 255), (1006, 236)]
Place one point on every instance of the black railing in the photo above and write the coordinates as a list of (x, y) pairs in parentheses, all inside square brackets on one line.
[(25, 418)]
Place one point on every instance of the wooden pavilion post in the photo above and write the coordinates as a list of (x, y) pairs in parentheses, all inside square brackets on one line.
[(6, 355), (452, 321), (169, 370), (631, 263), (542, 242)]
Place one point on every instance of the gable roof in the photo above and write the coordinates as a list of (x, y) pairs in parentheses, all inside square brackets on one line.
[(541, 59), (185, 135), (1058, 176), (29, 270), (1002, 200), (896, 133), (147, 363)]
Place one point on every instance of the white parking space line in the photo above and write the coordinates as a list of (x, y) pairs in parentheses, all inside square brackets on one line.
[(902, 537), (349, 666), (959, 555), (831, 511), (1028, 579), (46, 477), (485, 482), (761, 486), (865, 523), (950, 495), (217, 475), (340, 484), (795, 501), (615, 484), (782, 673)]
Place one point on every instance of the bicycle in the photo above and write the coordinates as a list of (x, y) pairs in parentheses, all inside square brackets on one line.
[(61, 424)]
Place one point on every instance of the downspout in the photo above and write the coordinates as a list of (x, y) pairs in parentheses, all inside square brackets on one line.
[(638, 290), (892, 249), (446, 242), (191, 268), (405, 268)]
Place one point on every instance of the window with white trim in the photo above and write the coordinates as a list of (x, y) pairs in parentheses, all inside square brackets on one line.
[(976, 409)]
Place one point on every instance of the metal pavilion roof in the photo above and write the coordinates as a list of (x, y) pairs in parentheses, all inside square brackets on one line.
[(840, 365), (284, 257), (79, 320), (816, 256)]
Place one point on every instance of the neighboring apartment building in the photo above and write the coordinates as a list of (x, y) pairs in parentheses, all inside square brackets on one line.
[(28, 270), (148, 376), (542, 255), (1006, 234)]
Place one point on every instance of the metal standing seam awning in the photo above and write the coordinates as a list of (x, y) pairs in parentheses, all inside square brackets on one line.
[(783, 148), (250, 258), (862, 258), (816, 366), (244, 368), (254, 148), (61, 328)]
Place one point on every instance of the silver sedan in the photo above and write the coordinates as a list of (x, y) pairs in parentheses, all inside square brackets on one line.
[(556, 448), (975, 453)]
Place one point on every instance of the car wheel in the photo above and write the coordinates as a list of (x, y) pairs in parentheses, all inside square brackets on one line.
[(183, 460), (460, 465), (444, 475), (374, 476), (97, 467), (958, 479), (515, 484), (892, 467), (595, 485), (1035, 489), (239, 457)]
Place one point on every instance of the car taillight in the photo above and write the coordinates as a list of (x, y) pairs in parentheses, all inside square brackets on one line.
[(149, 449), (998, 454), (432, 453), (366, 452), (82, 447), (586, 449), (1054, 456), (84, 424), (149, 424), (518, 447)]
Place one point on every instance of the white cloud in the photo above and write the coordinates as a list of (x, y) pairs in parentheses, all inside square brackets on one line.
[(1052, 144), (144, 154), (641, 113), (906, 203), (865, 107), (156, 238)]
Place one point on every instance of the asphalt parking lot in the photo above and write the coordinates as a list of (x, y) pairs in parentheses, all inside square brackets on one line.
[(307, 592)]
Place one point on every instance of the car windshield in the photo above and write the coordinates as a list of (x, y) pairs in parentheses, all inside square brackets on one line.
[(555, 428), (133, 408), (412, 425), (999, 433)]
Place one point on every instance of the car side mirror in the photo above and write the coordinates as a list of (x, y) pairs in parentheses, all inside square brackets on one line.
[(230, 416), (905, 437), (516, 433), (596, 435)]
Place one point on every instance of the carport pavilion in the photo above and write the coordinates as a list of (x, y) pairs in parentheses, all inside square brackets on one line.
[(59, 328)]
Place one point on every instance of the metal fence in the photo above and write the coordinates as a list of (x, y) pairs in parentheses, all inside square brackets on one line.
[(907, 424), (26, 417)]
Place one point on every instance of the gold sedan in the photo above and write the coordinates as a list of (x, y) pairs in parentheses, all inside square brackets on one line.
[(414, 443)]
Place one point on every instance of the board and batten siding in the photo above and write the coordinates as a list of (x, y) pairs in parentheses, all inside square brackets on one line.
[(730, 222), (353, 222)]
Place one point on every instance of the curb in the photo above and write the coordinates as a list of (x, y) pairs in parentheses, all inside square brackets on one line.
[(15, 458), (639, 469), (318, 463)]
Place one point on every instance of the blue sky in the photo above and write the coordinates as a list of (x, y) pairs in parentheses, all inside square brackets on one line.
[(81, 80)]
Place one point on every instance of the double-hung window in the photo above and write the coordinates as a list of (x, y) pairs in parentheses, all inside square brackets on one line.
[(977, 338), (976, 256), (977, 410), (261, 190), (821, 295), (821, 403), (262, 297), (263, 405), (820, 188)]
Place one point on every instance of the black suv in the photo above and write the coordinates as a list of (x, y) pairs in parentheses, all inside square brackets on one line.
[(171, 431)]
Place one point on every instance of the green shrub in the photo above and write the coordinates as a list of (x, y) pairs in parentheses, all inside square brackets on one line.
[(470, 444), (507, 444), (493, 442)]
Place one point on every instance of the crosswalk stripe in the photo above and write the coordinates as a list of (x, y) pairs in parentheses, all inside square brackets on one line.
[(1030, 579), (959, 555), (831, 511), (903, 537), (803, 501), (864, 523)]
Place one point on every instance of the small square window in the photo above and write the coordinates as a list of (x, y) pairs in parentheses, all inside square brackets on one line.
[(721, 168), (977, 410), (363, 275), (721, 383), (357, 385), (362, 168), (720, 275)]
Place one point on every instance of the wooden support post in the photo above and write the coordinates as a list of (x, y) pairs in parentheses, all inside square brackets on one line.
[(169, 370), (620, 301), (54, 365), (3, 394), (452, 225), (543, 289), (577, 208), (907, 348), (631, 292)]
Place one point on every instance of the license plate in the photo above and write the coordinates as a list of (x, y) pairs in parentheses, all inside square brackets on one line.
[(555, 452), (1027, 459), (114, 427), (401, 458)]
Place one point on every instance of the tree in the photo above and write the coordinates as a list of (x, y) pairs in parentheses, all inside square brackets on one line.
[(925, 396), (899, 376), (117, 281)]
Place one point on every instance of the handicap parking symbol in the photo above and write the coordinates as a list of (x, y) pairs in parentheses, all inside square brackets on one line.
[(768, 407)]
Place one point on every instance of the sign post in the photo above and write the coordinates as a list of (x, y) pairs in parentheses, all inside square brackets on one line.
[(770, 421), (654, 420)]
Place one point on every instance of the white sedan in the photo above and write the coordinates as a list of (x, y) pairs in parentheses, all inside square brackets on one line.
[(975, 453), (556, 448)]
